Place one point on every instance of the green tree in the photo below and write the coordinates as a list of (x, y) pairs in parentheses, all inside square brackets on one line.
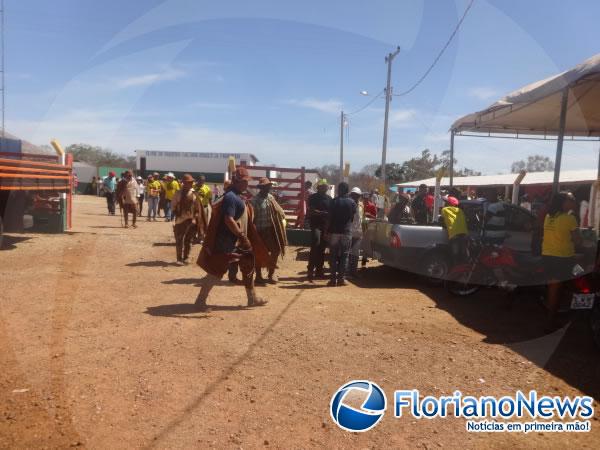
[(370, 169), (394, 173), (99, 156), (533, 163), (458, 172), (329, 171)]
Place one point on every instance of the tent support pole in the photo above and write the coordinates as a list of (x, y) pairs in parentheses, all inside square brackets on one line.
[(451, 170), (517, 186), (561, 137)]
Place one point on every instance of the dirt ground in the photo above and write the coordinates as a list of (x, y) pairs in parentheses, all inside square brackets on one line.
[(101, 348)]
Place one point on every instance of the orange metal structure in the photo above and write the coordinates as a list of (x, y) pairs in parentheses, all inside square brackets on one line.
[(37, 173)]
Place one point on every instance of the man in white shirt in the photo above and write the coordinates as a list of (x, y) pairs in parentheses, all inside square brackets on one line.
[(140, 193)]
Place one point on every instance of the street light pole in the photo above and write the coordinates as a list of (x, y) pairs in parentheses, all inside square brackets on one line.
[(388, 96), (342, 117)]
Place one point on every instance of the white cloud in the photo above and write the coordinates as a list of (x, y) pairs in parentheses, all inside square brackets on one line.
[(483, 93), (150, 78), (326, 106), (124, 133), (402, 118)]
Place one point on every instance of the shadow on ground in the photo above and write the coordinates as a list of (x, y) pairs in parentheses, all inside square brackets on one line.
[(10, 242), (189, 310), (514, 321), (195, 281), (105, 226), (156, 263)]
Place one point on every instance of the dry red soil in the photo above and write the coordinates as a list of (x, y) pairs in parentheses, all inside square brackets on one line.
[(101, 348)]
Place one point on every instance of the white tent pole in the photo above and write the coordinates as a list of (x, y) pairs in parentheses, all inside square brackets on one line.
[(561, 137), (437, 199), (516, 187)]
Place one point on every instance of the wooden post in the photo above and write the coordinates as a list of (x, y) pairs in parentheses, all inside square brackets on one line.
[(302, 215), (69, 163)]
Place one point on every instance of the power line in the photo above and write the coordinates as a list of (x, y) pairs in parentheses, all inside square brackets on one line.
[(437, 58), (367, 105)]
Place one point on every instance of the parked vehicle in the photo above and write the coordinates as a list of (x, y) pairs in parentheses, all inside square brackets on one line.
[(490, 265), (498, 266), (582, 298), (423, 249)]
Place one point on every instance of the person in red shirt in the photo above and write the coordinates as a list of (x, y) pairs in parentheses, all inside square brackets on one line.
[(370, 208)]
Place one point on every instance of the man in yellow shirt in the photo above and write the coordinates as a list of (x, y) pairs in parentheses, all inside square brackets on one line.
[(561, 235), (456, 225), (153, 188), (171, 187), (204, 192)]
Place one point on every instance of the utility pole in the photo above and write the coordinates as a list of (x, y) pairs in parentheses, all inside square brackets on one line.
[(342, 117), (388, 96)]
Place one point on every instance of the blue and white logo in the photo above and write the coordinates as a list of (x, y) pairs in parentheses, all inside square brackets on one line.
[(370, 413)]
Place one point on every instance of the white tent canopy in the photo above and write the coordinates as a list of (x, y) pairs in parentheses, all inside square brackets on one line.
[(535, 108), (567, 104), (531, 178)]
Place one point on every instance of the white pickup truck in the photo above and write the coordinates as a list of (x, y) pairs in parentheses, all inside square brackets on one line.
[(423, 249)]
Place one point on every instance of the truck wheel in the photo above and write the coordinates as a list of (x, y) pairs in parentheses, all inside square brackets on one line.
[(460, 284), (435, 268)]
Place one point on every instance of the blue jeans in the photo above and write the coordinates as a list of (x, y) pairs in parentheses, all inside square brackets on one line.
[(339, 249), (168, 214), (152, 206), (316, 256), (354, 254)]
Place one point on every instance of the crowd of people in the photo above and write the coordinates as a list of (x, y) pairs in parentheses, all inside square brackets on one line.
[(158, 192), (248, 234)]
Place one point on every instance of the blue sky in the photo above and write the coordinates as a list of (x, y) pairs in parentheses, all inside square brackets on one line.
[(270, 77)]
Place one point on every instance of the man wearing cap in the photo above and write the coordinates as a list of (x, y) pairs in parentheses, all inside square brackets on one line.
[(152, 195), (357, 231), (268, 219), (110, 188), (127, 197), (456, 225), (339, 229), (232, 237), (171, 186), (318, 212), (187, 207)]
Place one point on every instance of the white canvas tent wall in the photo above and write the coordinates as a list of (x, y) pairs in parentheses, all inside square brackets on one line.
[(531, 178), (565, 105)]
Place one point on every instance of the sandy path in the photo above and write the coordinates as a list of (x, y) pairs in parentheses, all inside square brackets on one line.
[(97, 324)]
